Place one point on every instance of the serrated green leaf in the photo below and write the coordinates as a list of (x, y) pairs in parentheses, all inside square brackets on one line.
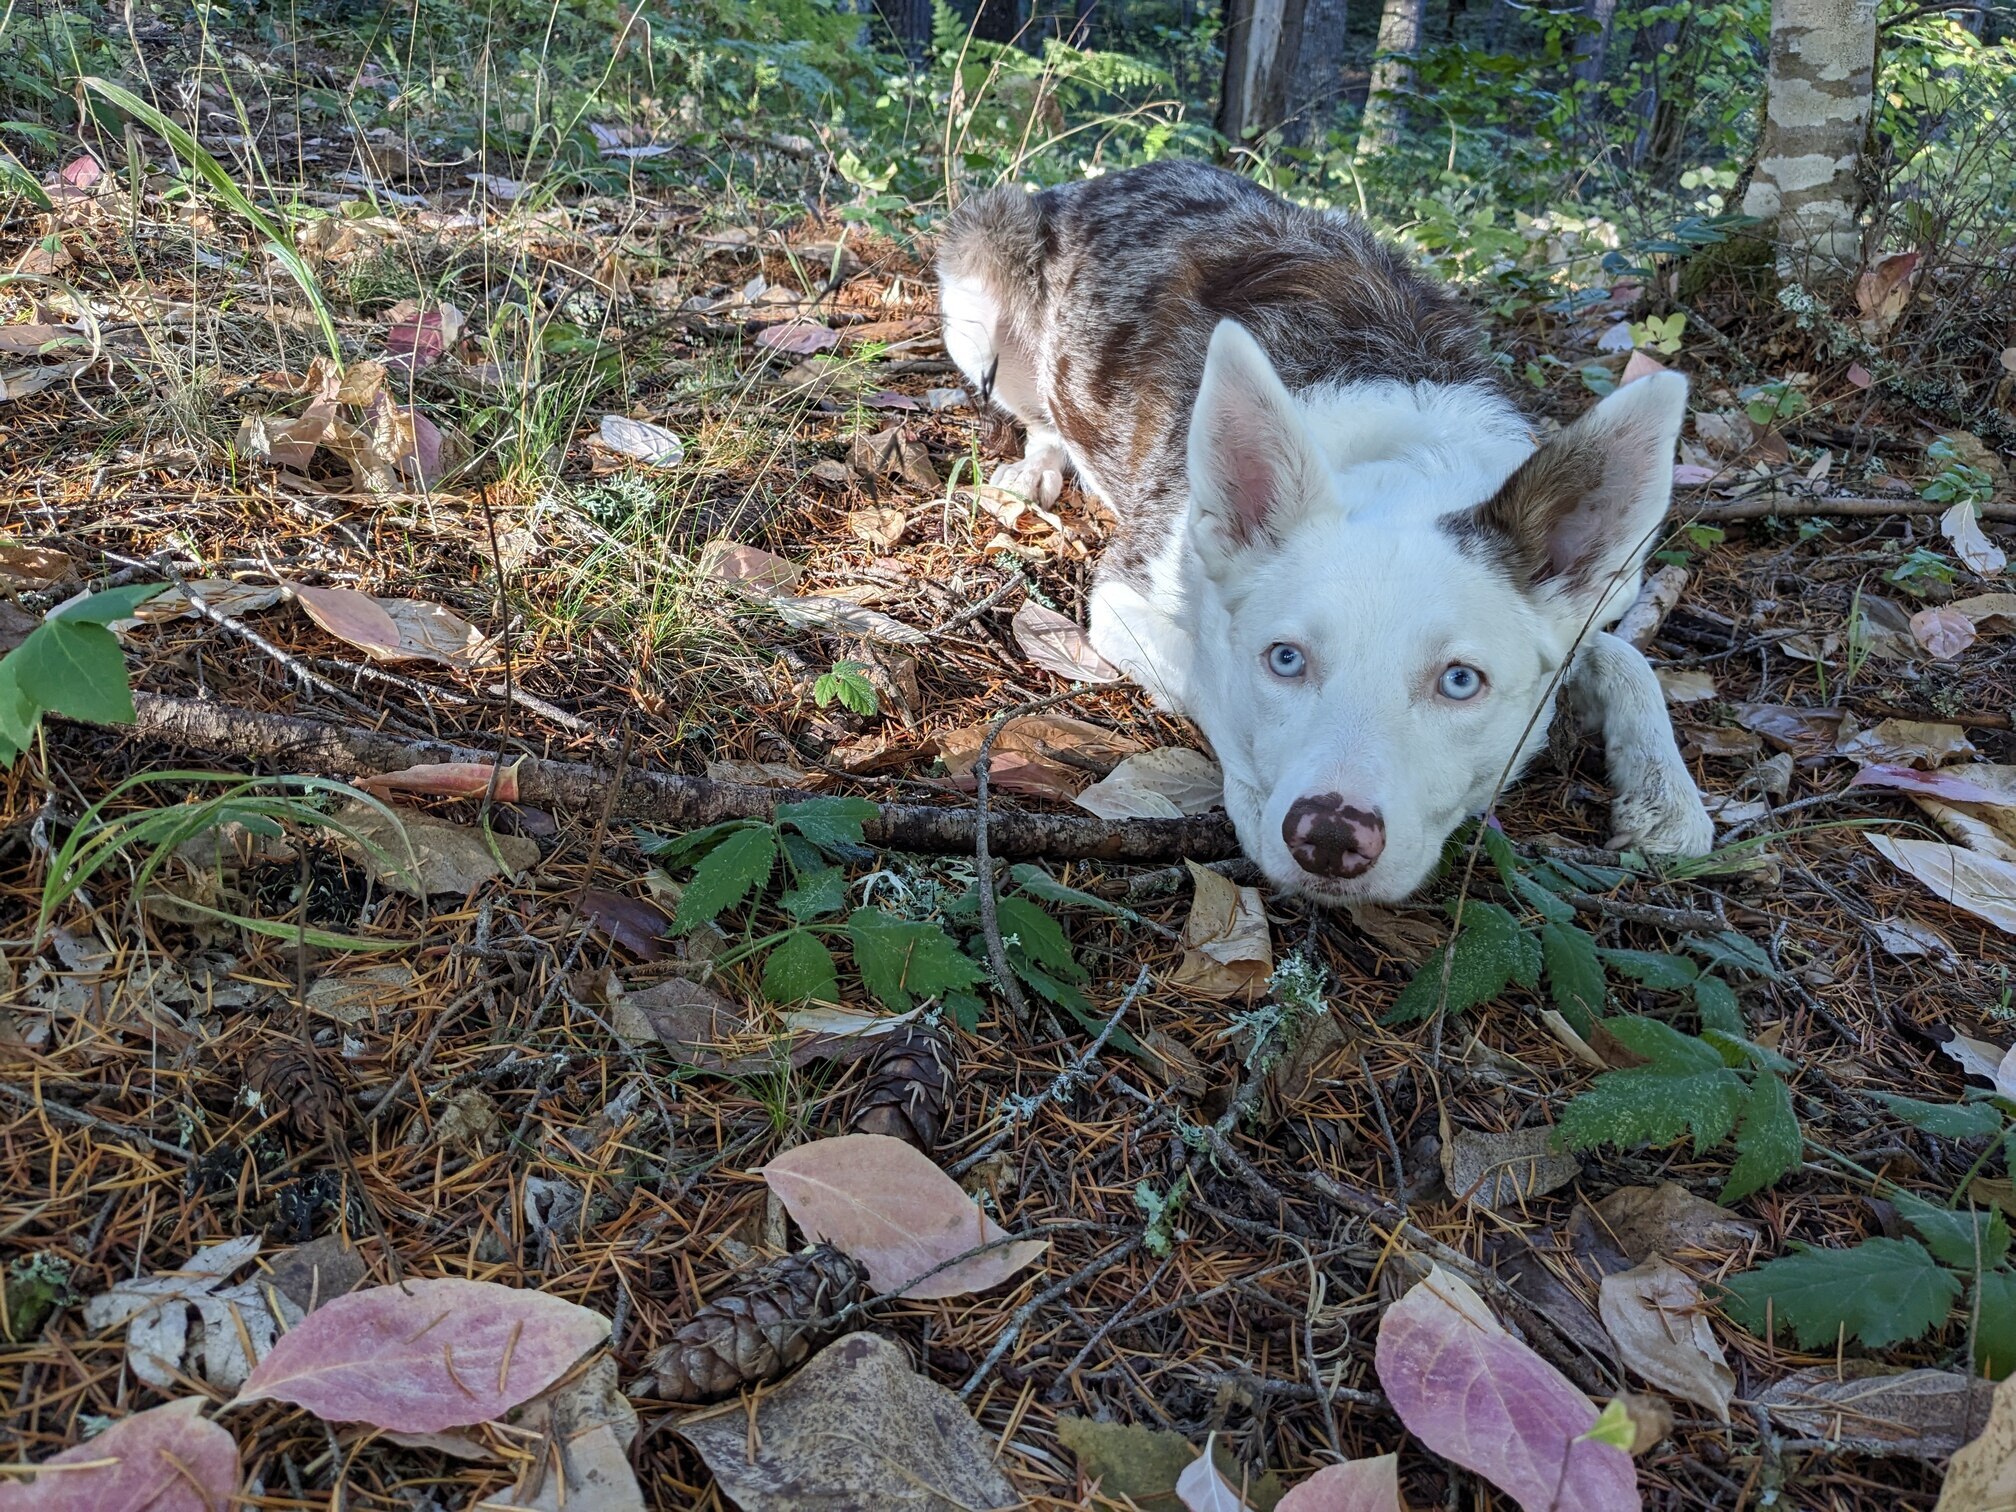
[(829, 823), (805, 857), (109, 604), (1715, 1001), (1557, 871), (965, 1010), (1075, 1003), (1738, 1051), (1881, 1292), (1554, 910), (731, 872), (822, 893), (1038, 883), (1490, 951), (1574, 974), (1661, 1043), (673, 851), (1651, 968), (1768, 1141), (1967, 1241), (901, 961), (1732, 949), (801, 969), (74, 668), (1995, 1327), (1947, 1120), (1653, 1105), (1040, 936)]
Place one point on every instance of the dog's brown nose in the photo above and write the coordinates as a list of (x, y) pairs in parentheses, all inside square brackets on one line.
[(1329, 837)]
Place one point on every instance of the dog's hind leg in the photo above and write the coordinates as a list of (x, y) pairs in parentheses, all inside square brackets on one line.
[(990, 283), (1657, 808)]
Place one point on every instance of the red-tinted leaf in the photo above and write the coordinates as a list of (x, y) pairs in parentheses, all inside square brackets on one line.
[(801, 338), (1944, 633), (1860, 376), (81, 172), (883, 1202), (450, 778), (630, 922), (418, 338), (1692, 475), (1367, 1485), (426, 1355), (353, 617), (748, 567), (1474, 1394), (889, 399), (1641, 366), (167, 1459), (1953, 786)]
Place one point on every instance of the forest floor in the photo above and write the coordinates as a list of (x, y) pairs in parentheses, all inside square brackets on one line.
[(525, 1076)]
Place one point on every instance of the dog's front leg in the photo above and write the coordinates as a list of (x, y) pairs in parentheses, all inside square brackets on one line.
[(1657, 808)]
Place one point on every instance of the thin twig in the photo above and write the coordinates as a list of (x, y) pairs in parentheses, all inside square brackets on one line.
[(1097, 1266)]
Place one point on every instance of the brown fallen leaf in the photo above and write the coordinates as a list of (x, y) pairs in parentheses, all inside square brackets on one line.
[(1983, 885), (853, 1423), (1644, 1221), (1883, 290), (1227, 949), (33, 567), (1493, 1170), (422, 856), (1657, 1316), (1912, 742), (748, 567), (1988, 612), (880, 528), (631, 922), (37, 340), (1919, 1414), (1166, 783), (800, 338), (1944, 633), (1803, 732), (1059, 646), (765, 774), (1683, 685), (393, 629), (895, 453), (1982, 1474)]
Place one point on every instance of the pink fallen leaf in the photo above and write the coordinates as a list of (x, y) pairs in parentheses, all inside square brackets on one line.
[(426, 1355), (422, 461), (1692, 475), (449, 778), (1952, 786), (1860, 376), (1641, 365), (1058, 645), (1474, 1394), (418, 338), (1616, 338), (352, 617), (801, 338), (1202, 1489), (1367, 1485), (630, 922), (1944, 633), (889, 399), (167, 1459), (748, 567), (81, 172), (884, 1202)]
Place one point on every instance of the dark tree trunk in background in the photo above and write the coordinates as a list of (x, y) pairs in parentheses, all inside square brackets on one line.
[(910, 22), (1284, 63), (1495, 21), (1319, 70), (1392, 75), (1661, 116), (1592, 49), (998, 20)]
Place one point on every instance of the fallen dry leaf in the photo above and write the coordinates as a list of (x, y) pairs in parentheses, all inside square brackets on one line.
[(895, 453), (393, 630), (1883, 290), (650, 444), (1982, 1475), (748, 567), (1911, 742), (1165, 783), (426, 1354), (1227, 950), (800, 338), (1984, 886), (1474, 1394), (1202, 1489), (822, 612), (631, 922), (1657, 1317), (1059, 646), (167, 1459), (237, 1323), (465, 779), (880, 528), (421, 336), (883, 1202), (1685, 684), (1944, 633), (1961, 525), (779, 774), (1048, 755), (1920, 1414), (1505, 1170), (851, 1425), (1366, 1485), (1988, 611), (317, 1272), (421, 856), (33, 566), (1974, 1057), (1803, 732)]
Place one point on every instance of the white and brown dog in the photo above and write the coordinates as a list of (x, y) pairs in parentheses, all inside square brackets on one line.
[(1340, 552)]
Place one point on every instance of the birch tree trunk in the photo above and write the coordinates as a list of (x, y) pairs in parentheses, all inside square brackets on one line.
[(1254, 30), (1819, 95), (1592, 49), (1392, 75)]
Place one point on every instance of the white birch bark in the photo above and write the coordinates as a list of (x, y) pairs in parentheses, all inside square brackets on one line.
[(1392, 75)]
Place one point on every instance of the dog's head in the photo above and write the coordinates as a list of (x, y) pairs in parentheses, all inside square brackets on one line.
[(1392, 633)]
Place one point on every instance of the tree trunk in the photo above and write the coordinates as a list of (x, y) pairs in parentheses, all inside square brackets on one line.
[(1816, 113), (1392, 75), (1592, 48), (1319, 70), (1253, 31), (998, 20), (1649, 52), (910, 21)]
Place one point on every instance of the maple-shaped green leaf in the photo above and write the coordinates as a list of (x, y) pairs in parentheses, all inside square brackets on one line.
[(1491, 951), (1880, 1292), (1967, 1241), (1715, 1001), (801, 969), (829, 823), (1040, 937), (1685, 1089), (1768, 1141), (1995, 1323), (731, 872), (817, 895), (1977, 1120), (1652, 968), (1574, 974), (901, 961)]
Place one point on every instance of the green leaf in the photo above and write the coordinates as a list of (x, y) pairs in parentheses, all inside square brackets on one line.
[(829, 823), (1685, 1090), (1661, 1042), (805, 857), (1490, 951), (75, 669), (1651, 968), (822, 893), (965, 1010), (731, 872), (19, 714), (109, 604), (800, 969), (1732, 949), (901, 961), (1966, 1241), (1948, 1120), (1881, 1292), (1768, 1141), (1995, 1328), (1038, 883), (1715, 1000), (1574, 974), (1040, 936), (13, 176), (672, 851)]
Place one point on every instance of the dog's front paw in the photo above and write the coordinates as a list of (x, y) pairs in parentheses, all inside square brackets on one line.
[(1038, 477), (1663, 816)]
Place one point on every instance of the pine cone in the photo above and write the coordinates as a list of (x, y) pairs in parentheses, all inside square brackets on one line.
[(772, 1318), (909, 1085), (302, 1081)]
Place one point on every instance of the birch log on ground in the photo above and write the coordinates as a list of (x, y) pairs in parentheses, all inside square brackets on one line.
[(285, 744), (1392, 75), (1818, 96)]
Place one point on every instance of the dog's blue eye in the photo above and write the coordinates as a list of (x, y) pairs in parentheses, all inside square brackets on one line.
[(1284, 660), (1460, 683)]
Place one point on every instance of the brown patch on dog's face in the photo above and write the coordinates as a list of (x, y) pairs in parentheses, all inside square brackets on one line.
[(1521, 527)]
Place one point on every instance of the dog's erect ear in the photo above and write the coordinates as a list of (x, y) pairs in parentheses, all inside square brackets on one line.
[(1253, 471), (1575, 522)]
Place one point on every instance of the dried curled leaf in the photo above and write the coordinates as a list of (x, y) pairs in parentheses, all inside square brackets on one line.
[(768, 1321), (1657, 1316)]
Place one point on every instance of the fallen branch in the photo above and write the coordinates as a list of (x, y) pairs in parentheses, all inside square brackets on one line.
[(1786, 507), (305, 746)]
